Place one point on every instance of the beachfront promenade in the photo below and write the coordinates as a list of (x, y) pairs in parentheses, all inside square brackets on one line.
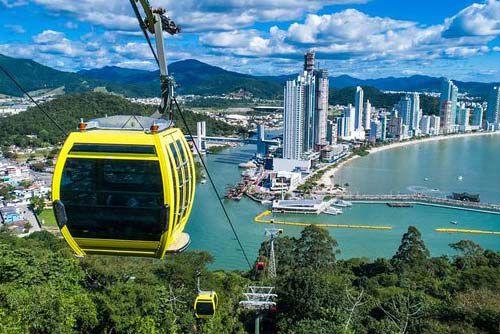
[(425, 200)]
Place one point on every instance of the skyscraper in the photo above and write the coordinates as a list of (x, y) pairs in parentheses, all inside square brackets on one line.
[(293, 134), (309, 61), (321, 106), (425, 125), (449, 92), (493, 111), (367, 114), (331, 133), (405, 109), (435, 125), (415, 113), (477, 116), (463, 118), (358, 106), (447, 121)]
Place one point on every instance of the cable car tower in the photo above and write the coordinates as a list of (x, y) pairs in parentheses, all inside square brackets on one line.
[(273, 234), (259, 299)]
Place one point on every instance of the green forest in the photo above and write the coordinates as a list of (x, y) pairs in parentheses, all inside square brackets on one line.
[(33, 128), (44, 289)]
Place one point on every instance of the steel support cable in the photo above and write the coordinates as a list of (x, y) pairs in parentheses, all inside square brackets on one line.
[(212, 183), (144, 30), (11, 77)]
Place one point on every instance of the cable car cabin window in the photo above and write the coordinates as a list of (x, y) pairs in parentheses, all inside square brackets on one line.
[(182, 181), (187, 177), (113, 199), (205, 307)]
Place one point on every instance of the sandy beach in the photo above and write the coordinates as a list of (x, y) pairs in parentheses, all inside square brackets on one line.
[(328, 175)]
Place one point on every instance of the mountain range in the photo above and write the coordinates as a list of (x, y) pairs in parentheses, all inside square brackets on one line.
[(195, 77)]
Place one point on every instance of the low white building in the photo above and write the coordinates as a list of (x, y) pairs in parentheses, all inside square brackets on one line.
[(291, 165)]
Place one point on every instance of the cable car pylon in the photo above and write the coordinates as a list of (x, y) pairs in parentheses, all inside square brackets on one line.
[(273, 234)]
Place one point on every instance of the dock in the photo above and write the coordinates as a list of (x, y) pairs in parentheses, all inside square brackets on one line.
[(463, 230), (425, 200), (259, 219)]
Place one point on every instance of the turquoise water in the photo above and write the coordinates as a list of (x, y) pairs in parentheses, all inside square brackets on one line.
[(398, 170)]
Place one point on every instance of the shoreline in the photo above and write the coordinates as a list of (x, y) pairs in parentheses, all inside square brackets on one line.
[(326, 178)]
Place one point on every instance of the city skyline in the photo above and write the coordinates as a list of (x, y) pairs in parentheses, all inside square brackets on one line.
[(457, 39)]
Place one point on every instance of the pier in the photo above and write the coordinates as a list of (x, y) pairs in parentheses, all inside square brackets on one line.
[(425, 200), (259, 219), (463, 230)]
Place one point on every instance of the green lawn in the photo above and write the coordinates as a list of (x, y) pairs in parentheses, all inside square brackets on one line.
[(47, 218)]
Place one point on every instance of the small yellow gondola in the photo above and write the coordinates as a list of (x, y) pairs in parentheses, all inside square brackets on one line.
[(124, 185), (205, 304)]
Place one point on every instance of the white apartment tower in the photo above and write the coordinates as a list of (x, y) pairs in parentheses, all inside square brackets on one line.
[(358, 105)]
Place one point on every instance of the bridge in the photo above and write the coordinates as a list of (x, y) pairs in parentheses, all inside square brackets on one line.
[(422, 199), (215, 139)]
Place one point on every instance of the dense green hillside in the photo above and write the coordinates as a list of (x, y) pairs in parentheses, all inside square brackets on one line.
[(68, 110), (33, 76), (195, 77), (44, 289)]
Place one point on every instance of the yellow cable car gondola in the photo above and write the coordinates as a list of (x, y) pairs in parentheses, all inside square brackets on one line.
[(205, 303), (124, 185)]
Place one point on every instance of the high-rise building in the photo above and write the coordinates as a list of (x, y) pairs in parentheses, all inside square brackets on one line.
[(375, 131), (435, 125), (331, 133), (449, 92), (425, 125), (261, 137), (309, 61), (383, 122), (415, 113), (343, 127), (305, 111), (477, 116), (395, 127), (358, 106), (367, 114), (321, 107), (463, 118), (446, 115), (293, 126), (404, 108), (493, 111)]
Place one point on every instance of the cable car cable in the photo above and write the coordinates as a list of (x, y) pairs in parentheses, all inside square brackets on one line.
[(143, 28), (212, 182), (11, 77)]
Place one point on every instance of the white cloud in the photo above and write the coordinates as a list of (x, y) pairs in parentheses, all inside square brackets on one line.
[(193, 15), (475, 20), (15, 28), (13, 3), (48, 36)]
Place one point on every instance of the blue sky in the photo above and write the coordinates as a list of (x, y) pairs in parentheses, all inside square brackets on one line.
[(362, 38)]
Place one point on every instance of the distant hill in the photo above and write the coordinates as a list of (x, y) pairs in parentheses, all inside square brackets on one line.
[(69, 109), (195, 77)]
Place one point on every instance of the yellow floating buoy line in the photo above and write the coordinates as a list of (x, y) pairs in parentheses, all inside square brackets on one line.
[(259, 219), (463, 230)]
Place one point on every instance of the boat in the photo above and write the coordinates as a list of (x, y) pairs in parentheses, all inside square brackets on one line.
[(454, 222), (266, 202), (342, 204), (460, 178), (435, 190), (426, 179), (203, 181), (399, 205), (332, 211), (465, 197)]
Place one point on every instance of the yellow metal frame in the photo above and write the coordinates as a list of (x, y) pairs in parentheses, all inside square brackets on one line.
[(204, 297), (161, 142)]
